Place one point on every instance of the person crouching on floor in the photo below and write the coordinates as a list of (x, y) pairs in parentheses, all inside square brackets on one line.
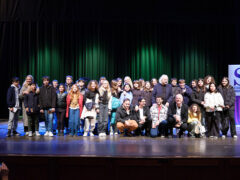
[(31, 103), (178, 115), (195, 127), (142, 115), (159, 118), (13, 106), (125, 118), (74, 109)]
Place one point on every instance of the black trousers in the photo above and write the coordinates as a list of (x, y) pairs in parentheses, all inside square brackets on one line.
[(213, 123), (147, 126), (228, 118), (61, 113), (182, 128)]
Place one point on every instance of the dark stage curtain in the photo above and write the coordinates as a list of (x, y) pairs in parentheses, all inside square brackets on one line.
[(34, 41)]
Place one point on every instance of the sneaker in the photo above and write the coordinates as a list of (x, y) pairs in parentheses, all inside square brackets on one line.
[(223, 136), (46, 133), (91, 134), (235, 137), (116, 133), (50, 134), (26, 133), (215, 137), (104, 134), (111, 134), (37, 133), (15, 133), (162, 136), (211, 136), (100, 134), (30, 134), (85, 134), (8, 133)]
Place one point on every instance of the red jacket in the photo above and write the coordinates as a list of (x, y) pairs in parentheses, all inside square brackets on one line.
[(80, 102)]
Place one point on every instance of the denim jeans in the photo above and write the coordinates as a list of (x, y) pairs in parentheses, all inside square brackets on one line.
[(48, 120), (73, 121), (55, 121), (161, 128)]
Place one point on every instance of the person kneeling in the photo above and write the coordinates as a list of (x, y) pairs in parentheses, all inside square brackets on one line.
[(142, 114), (178, 115), (159, 115), (125, 118)]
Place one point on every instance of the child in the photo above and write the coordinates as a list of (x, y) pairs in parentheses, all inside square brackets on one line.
[(47, 100), (13, 106), (31, 103), (74, 109), (90, 106), (105, 106), (61, 108)]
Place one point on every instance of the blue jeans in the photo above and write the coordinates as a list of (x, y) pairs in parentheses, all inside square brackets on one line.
[(161, 128), (48, 120), (73, 123)]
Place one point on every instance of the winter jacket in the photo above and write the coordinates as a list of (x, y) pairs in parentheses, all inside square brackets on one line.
[(213, 100), (175, 90), (127, 95), (158, 91), (198, 97), (31, 101), (186, 95), (228, 95), (62, 100), (11, 97), (47, 97), (122, 115)]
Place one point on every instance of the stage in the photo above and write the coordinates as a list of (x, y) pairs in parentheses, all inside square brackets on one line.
[(116, 157)]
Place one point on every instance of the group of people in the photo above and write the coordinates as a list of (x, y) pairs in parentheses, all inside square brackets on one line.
[(151, 108)]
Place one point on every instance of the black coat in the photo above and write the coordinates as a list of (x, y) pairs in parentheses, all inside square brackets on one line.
[(31, 101), (229, 96), (62, 100), (122, 116), (198, 97), (11, 97), (47, 97), (172, 111), (146, 112)]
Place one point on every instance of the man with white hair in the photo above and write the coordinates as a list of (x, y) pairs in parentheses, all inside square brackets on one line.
[(178, 115), (164, 90)]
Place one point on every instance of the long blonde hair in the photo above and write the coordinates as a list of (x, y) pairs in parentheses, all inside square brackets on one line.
[(101, 89)]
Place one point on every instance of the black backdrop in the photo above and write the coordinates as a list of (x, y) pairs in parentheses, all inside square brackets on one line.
[(186, 39)]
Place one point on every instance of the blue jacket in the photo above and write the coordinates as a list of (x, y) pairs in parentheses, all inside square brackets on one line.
[(11, 97), (158, 91), (186, 95)]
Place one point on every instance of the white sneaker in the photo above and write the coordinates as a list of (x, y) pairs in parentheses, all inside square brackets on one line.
[(26, 134), (50, 134), (85, 134), (235, 137), (46, 133), (111, 133), (223, 136), (116, 133), (162, 136), (211, 136), (37, 133), (30, 134), (100, 134), (104, 135), (91, 134)]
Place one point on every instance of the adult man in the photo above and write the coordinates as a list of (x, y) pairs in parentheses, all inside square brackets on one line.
[(178, 115), (162, 89), (159, 118), (142, 115), (125, 118)]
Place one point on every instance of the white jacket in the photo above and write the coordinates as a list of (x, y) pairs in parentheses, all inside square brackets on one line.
[(213, 100)]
